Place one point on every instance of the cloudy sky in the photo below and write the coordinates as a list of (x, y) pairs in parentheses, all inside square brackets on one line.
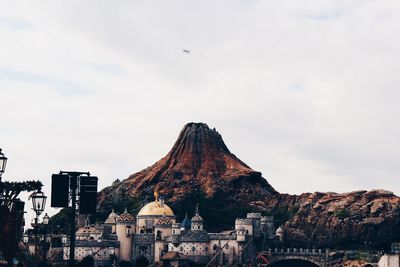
[(307, 92)]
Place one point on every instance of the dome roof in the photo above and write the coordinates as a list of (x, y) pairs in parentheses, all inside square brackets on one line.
[(112, 218), (197, 217), (125, 217), (156, 208)]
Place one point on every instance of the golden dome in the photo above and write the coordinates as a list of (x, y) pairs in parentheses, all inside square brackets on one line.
[(156, 208)]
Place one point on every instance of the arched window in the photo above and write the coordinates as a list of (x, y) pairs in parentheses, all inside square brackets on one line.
[(206, 249), (193, 248), (215, 247)]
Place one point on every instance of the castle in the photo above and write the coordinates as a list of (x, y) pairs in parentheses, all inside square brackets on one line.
[(155, 236)]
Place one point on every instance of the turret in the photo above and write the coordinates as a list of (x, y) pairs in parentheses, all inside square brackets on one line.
[(162, 228), (125, 227), (112, 221), (267, 226), (197, 221), (186, 224)]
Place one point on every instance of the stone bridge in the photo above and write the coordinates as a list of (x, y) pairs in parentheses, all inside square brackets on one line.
[(309, 257)]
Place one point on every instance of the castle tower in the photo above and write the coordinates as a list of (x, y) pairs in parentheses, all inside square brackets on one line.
[(125, 227), (162, 229), (112, 221), (197, 221)]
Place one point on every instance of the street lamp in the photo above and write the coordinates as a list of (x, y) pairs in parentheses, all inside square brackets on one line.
[(38, 202), (3, 163)]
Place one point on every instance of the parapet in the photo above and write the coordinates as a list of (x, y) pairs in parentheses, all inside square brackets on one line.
[(254, 215)]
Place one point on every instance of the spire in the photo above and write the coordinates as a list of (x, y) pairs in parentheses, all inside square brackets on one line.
[(197, 209), (186, 223)]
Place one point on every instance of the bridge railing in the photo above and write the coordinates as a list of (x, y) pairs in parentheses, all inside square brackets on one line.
[(299, 251)]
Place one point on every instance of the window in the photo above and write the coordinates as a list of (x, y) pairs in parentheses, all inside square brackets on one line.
[(206, 249), (158, 237), (181, 248), (193, 249)]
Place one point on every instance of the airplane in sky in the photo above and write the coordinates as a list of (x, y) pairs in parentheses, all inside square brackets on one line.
[(187, 51)]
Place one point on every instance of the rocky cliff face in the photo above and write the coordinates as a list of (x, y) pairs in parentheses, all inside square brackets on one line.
[(201, 169), (360, 218)]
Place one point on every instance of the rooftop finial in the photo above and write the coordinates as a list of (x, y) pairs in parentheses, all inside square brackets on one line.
[(156, 195), (197, 209), (125, 211)]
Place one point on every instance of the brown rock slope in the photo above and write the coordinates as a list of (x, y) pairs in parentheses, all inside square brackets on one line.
[(360, 218), (199, 160), (201, 169)]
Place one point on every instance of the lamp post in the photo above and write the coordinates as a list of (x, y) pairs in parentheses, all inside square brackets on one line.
[(38, 203), (11, 210), (3, 163)]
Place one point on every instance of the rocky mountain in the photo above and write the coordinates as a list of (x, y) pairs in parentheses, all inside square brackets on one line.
[(200, 169)]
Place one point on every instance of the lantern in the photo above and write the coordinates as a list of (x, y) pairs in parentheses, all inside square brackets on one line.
[(38, 201), (46, 219), (3, 163)]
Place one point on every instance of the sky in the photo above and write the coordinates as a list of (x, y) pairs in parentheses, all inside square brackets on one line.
[(306, 92)]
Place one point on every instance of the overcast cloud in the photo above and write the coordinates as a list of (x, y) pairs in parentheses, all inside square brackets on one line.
[(306, 92)]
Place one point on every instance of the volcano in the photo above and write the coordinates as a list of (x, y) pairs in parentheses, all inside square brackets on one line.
[(200, 169), (199, 160)]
